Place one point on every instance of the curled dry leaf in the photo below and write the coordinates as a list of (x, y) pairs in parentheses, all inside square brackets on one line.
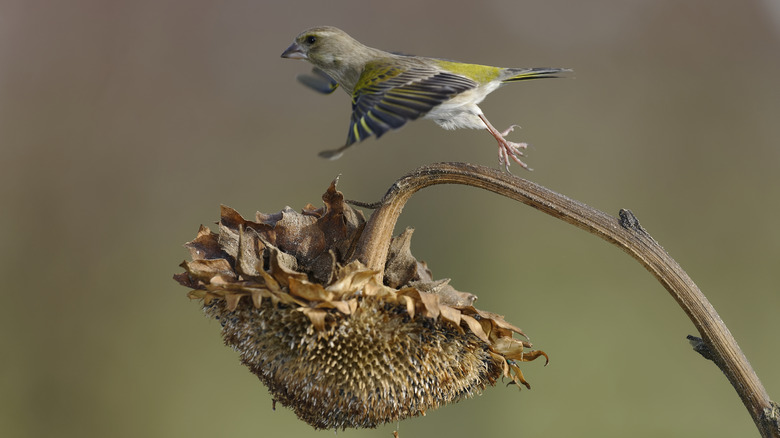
[(329, 340)]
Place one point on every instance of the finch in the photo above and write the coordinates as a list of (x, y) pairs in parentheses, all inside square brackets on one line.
[(389, 89)]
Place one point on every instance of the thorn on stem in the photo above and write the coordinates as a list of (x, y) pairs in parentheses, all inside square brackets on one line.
[(701, 347), (629, 221)]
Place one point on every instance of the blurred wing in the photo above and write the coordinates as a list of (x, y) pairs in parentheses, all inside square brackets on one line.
[(387, 97), (318, 81)]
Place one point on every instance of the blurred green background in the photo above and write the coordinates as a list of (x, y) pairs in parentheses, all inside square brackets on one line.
[(124, 125)]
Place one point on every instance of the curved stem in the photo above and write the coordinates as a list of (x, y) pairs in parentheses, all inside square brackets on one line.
[(626, 233)]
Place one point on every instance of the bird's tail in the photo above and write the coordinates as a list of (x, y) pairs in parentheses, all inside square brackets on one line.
[(521, 74), (334, 154)]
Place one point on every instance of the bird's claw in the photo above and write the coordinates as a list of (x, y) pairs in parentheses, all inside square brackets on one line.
[(507, 150), (506, 132)]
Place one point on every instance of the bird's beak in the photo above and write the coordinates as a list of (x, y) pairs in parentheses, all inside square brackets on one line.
[(295, 51)]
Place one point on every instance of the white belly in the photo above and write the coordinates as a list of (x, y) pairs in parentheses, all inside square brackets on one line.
[(462, 111)]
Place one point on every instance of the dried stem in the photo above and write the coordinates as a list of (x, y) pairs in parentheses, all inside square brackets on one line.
[(626, 233)]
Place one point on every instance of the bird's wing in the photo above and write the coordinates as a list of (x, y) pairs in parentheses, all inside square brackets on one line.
[(386, 97), (318, 81), (521, 74)]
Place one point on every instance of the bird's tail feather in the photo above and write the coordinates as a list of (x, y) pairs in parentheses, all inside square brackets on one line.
[(521, 74), (334, 154)]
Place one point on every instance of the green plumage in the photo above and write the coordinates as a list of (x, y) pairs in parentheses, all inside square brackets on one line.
[(481, 74), (389, 89), (386, 97)]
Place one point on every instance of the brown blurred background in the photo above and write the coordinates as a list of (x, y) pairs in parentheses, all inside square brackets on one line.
[(124, 125)]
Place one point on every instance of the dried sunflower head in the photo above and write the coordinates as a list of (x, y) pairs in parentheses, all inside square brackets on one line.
[(332, 340)]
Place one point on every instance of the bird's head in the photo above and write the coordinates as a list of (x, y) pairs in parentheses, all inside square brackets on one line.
[(330, 49)]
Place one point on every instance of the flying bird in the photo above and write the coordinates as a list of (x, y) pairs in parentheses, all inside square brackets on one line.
[(389, 89)]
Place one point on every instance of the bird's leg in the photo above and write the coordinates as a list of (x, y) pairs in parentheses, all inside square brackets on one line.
[(506, 149)]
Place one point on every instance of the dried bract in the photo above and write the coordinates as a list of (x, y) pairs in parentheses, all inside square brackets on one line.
[(328, 339)]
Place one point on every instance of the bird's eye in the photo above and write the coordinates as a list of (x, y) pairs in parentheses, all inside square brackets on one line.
[(311, 39)]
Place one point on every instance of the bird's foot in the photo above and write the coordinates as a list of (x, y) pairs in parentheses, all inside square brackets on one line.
[(508, 149), (506, 132)]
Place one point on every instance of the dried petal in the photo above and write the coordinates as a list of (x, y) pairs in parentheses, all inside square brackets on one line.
[(401, 266), (250, 249), (476, 328), (316, 316), (330, 340), (206, 269), (451, 314), (205, 246), (309, 291)]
